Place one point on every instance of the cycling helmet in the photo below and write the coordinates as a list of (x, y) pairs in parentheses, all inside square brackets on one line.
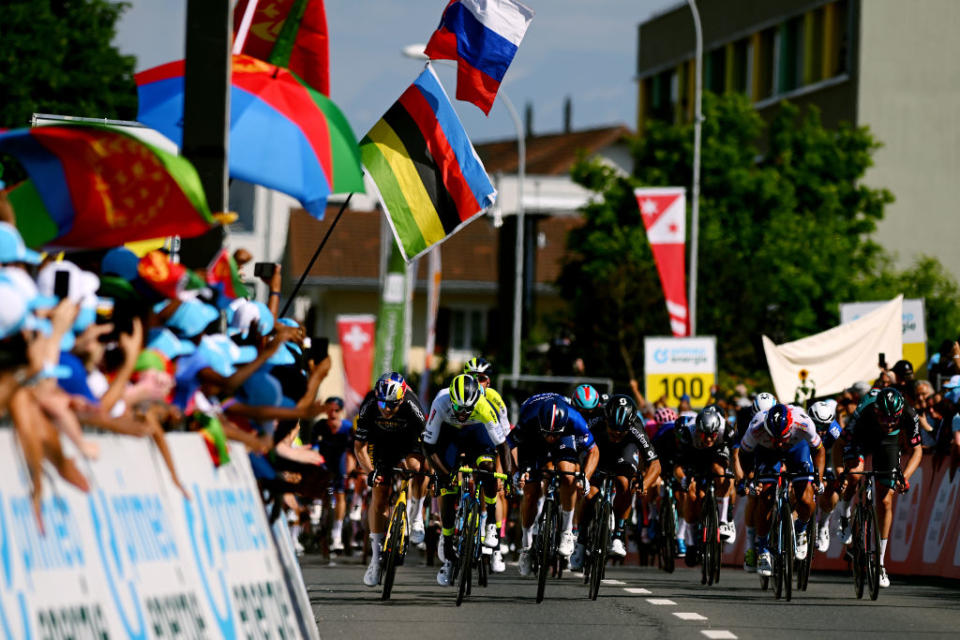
[(823, 413), (475, 366), (763, 402), (585, 398), (889, 406), (390, 388), (777, 423), (682, 430), (464, 394), (620, 411), (664, 415), (709, 422), (552, 417)]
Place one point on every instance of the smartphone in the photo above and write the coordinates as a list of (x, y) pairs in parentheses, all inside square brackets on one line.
[(105, 310), (319, 347), (883, 361), (61, 284), (264, 270)]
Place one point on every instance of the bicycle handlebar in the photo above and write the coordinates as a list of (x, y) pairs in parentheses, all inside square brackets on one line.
[(495, 474)]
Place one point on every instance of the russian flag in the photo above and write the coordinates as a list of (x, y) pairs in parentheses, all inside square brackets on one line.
[(482, 36)]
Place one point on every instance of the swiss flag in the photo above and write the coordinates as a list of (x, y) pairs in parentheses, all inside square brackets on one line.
[(356, 334), (664, 216)]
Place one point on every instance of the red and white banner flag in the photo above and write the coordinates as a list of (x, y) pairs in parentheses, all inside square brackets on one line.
[(664, 214), (356, 344)]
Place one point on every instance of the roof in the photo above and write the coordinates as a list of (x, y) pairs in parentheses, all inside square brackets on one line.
[(550, 154), (469, 255)]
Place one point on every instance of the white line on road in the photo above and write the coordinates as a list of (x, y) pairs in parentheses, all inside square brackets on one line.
[(640, 591), (661, 601), (718, 634), (607, 581), (688, 615)]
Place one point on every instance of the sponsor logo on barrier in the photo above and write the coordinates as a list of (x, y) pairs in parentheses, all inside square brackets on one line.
[(941, 515), (906, 519)]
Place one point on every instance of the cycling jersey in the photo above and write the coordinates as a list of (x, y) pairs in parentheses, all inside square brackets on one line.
[(484, 415), (528, 426), (493, 397), (864, 435), (393, 438), (691, 455), (334, 446), (802, 428), (635, 436)]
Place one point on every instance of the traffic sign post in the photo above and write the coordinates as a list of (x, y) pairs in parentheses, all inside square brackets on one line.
[(674, 367)]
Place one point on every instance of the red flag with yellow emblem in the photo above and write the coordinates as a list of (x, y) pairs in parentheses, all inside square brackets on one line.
[(92, 187), (290, 34), (224, 274)]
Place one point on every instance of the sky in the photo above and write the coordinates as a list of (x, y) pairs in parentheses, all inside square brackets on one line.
[(584, 49)]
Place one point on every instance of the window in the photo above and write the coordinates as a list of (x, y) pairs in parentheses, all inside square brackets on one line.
[(240, 201), (790, 58), (661, 96), (739, 74), (764, 59), (716, 70), (468, 329)]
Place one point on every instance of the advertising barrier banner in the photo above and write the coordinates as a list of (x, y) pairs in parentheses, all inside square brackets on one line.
[(133, 558)]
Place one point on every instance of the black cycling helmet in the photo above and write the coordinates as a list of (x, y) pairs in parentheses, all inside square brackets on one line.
[(620, 411), (709, 421), (889, 406), (552, 417)]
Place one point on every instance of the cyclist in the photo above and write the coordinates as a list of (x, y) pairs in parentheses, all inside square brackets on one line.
[(882, 426), (666, 444), (334, 441), (622, 442), (550, 434), (761, 402), (704, 453), (482, 370), (824, 416), (389, 427), (589, 402), (463, 422), (784, 434)]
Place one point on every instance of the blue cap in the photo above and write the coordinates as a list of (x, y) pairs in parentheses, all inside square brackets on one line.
[(241, 313), (222, 354), (13, 311), (12, 248), (164, 341), (120, 261), (262, 390), (27, 288), (192, 317)]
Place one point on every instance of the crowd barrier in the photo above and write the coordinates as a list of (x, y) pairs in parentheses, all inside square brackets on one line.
[(925, 539), (135, 559)]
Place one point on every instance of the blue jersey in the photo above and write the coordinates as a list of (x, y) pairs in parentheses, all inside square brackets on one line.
[(831, 435), (528, 427)]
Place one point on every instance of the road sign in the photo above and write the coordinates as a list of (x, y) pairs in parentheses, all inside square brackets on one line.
[(674, 367)]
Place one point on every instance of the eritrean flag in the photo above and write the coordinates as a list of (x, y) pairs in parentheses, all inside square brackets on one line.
[(92, 187), (291, 34), (284, 135), (224, 275), (430, 178)]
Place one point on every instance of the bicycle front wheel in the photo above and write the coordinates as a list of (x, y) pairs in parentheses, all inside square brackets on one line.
[(545, 550), (789, 549), (465, 560), (872, 551), (859, 557), (776, 551), (393, 547), (668, 534), (600, 550)]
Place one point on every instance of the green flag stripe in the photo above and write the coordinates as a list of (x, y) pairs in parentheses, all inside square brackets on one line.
[(347, 176), (283, 47), (33, 220), (397, 208)]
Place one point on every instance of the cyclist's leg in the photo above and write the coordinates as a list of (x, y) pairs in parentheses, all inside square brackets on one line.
[(767, 465), (799, 460), (886, 459), (853, 462), (627, 467), (338, 484), (564, 453)]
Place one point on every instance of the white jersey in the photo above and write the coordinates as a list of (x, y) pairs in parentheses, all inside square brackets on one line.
[(801, 428), (484, 414)]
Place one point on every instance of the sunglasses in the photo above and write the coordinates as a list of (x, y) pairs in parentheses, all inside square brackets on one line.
[(388, 406), (481, 377)]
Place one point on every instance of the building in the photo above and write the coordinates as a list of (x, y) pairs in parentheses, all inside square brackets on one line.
[(880, 63), (476, 300)]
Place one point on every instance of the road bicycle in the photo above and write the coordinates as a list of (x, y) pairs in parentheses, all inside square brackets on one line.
[(467, 532), (546, 556), (600, 534), (667, 525), (397, 538), (710, 528), (782, 540), (865, 547)]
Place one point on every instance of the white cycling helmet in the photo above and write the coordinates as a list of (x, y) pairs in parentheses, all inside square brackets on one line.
[(824, 412), (763, 402)]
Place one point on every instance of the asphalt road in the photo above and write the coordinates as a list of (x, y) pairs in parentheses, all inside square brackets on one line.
[(637, 602)]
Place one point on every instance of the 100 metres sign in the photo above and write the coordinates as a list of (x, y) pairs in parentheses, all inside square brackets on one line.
[(674, 367)]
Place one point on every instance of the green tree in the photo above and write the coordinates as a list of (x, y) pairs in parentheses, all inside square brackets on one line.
[(785, 236), (57, 57)]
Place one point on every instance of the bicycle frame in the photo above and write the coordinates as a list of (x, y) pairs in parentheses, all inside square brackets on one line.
[(710, 527), (396, 539), (601, 528), (865, 548), (467, 528), (547, 541)]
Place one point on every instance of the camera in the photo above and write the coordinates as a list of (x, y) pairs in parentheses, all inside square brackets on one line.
[(264, 270)]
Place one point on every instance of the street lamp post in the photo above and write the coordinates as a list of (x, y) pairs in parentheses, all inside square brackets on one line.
[(417, 51), (695, 196)]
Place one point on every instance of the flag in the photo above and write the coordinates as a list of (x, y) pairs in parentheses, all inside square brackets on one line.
[(291, 34), (355, 333), (169, 279), (430, 178), (434, 276), (223, 274), (92, 186), (664, 216), (483, 37)]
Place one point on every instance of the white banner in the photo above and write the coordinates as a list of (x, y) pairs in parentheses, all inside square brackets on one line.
[(133, 558), (839, 357)]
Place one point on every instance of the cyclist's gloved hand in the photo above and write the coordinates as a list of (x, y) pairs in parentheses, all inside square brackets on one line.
[(585, 483), (520, 478), (373, 477)]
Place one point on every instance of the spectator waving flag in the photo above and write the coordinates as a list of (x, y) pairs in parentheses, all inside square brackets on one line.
[(482, 36), (431, 180)]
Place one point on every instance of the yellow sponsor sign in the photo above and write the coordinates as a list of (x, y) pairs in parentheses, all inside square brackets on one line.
[(676, 385)]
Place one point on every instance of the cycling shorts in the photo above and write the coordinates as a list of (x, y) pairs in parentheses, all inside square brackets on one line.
[(472, 441), (886, 456)]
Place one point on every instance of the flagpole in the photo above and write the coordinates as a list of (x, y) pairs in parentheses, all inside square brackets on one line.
[(695, 195), (316, 254), (244, 29)]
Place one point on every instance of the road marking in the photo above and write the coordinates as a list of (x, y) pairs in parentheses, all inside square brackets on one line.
[(685, 615), (640, 591), (661, 601), (718, 634), (606, 581)]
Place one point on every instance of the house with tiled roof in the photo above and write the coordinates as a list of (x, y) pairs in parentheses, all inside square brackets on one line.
[(476, 299)]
